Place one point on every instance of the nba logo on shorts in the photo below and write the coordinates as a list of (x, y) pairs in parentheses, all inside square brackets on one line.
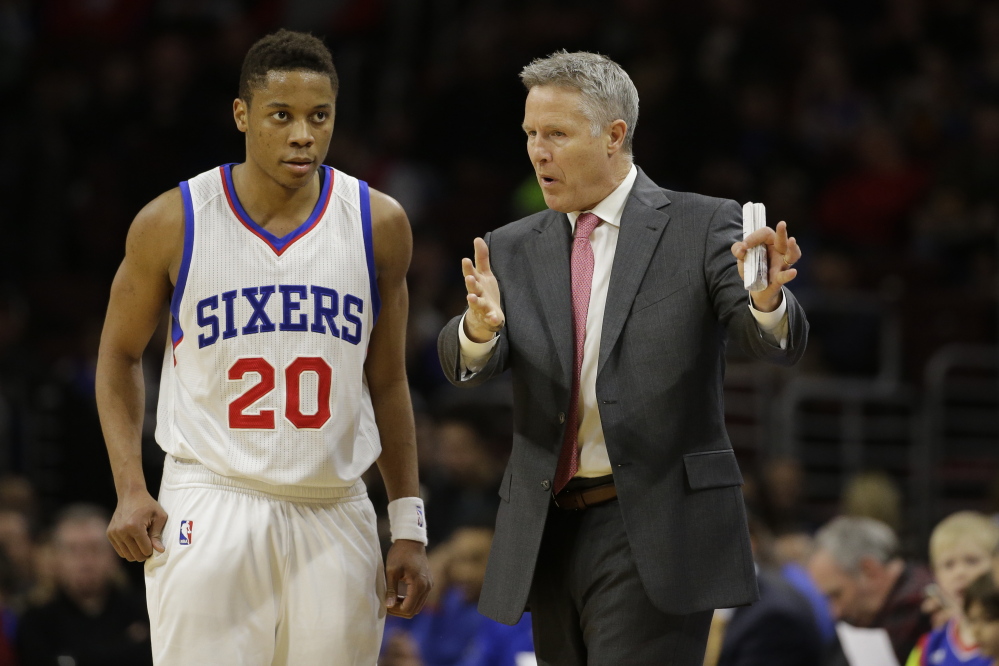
[(186, 530)]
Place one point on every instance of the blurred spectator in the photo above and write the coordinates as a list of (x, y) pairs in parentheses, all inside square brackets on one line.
[(857, 566), (961, 548), (767, 557), (981, 605), (462, 489), (780, 629), (93, 620), (781, 507), (18, 546), (873, 495), (450, 631)]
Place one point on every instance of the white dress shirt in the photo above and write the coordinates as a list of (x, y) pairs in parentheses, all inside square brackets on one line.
[(593, 459)]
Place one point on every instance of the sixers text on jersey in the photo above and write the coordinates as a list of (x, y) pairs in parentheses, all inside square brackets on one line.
[(326, 308)]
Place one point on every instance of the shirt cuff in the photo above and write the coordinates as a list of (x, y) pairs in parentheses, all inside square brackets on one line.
[(474, 355), (773, 325)]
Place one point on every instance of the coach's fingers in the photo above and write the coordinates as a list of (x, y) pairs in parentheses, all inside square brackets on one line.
[(481, 255)]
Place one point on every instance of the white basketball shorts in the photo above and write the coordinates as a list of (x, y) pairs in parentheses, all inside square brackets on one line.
[(251, 579)]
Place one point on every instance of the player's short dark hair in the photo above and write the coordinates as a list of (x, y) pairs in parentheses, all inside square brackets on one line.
[(285, 51), (983, 591)]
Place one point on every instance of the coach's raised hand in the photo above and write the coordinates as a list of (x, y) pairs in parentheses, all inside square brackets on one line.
[(136, 527), (485, 316), (782, 253)]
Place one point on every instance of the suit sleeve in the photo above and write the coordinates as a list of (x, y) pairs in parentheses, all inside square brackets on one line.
[(449, 350), (731, 300)]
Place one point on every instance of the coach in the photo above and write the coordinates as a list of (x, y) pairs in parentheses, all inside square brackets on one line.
[(622, 522)]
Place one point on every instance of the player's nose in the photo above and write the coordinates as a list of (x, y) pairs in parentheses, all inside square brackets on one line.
[(301, 134)]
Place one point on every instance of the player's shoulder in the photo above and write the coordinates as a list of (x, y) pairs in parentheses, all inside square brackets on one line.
[(166, 209), (160, 223), (392, 236), (386, 211)]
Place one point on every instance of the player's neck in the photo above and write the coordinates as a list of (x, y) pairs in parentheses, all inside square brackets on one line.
[(268, 203)]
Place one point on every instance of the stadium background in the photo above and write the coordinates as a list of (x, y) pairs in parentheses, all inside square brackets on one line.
[(872, 127)]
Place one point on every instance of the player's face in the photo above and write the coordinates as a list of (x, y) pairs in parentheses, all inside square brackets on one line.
[(985, 630), (288, 125), (573, 167), (957, 565)]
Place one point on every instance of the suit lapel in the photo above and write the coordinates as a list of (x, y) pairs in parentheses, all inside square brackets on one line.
[(548, 257), (642, 224)]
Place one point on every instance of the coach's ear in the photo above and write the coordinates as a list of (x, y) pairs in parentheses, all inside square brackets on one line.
[(239, 111)]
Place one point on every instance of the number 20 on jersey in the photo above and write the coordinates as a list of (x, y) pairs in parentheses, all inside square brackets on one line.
[(265, 419)]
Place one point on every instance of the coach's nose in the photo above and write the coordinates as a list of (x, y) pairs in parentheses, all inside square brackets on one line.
[(539, 152)]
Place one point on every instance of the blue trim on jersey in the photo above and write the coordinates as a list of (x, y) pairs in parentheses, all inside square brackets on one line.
[(185, 263), (369, 248), (275, 242)]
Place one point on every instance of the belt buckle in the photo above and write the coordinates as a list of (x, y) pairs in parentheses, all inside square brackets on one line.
[(569, 508)]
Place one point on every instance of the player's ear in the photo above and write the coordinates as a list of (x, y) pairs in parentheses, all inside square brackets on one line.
[(239, 111)]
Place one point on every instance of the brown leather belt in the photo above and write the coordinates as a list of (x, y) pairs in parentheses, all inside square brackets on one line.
[(575, 500)]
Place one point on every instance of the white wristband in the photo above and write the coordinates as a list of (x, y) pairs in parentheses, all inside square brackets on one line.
[(406, 520)]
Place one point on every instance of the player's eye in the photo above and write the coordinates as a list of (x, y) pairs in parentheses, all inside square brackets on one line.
[(281, 115), (321, 116)]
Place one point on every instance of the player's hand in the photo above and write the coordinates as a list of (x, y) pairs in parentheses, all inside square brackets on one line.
[(484, 316), (136, 527), (407, 563), (782, 254)]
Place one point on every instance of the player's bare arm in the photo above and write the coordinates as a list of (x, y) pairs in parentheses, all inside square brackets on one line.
[(385, 369), (140, 289), (485, 316)]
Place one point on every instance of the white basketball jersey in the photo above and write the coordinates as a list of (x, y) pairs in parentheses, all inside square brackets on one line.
[(263, 377)]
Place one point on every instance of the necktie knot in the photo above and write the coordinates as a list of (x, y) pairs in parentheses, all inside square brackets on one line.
[(585, 224)]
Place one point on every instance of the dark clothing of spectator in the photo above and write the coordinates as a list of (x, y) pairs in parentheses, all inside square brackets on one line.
[(117, 636), (902, 616), (778, 630)]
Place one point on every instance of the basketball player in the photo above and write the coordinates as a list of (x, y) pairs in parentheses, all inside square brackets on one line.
[(283, 381)]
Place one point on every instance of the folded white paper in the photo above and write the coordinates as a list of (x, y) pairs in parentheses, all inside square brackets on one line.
[(866, 647), (754, 216)]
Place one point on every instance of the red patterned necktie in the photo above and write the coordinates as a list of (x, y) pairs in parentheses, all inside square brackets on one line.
[(582, 280)]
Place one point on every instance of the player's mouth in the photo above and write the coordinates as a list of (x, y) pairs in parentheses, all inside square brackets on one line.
[(298, 166)]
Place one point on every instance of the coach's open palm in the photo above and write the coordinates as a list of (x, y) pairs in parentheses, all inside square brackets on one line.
[(407, 563), (484, 316), (136, 527)]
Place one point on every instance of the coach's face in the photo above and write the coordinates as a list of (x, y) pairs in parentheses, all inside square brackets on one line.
[(288, 125), (575, 169)]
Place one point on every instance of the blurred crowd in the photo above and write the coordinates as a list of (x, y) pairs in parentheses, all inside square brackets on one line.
[(872, 127)]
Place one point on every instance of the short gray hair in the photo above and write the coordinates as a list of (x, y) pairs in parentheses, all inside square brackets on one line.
[(608, 93), (849, 539)]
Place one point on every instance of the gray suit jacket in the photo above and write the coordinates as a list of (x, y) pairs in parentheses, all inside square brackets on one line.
[(674, 296)]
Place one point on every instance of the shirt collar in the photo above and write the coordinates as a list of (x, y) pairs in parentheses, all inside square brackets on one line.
[(611, 209)]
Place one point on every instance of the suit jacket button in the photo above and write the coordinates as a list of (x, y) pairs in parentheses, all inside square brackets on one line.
[(546, 484), (561, 417)]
